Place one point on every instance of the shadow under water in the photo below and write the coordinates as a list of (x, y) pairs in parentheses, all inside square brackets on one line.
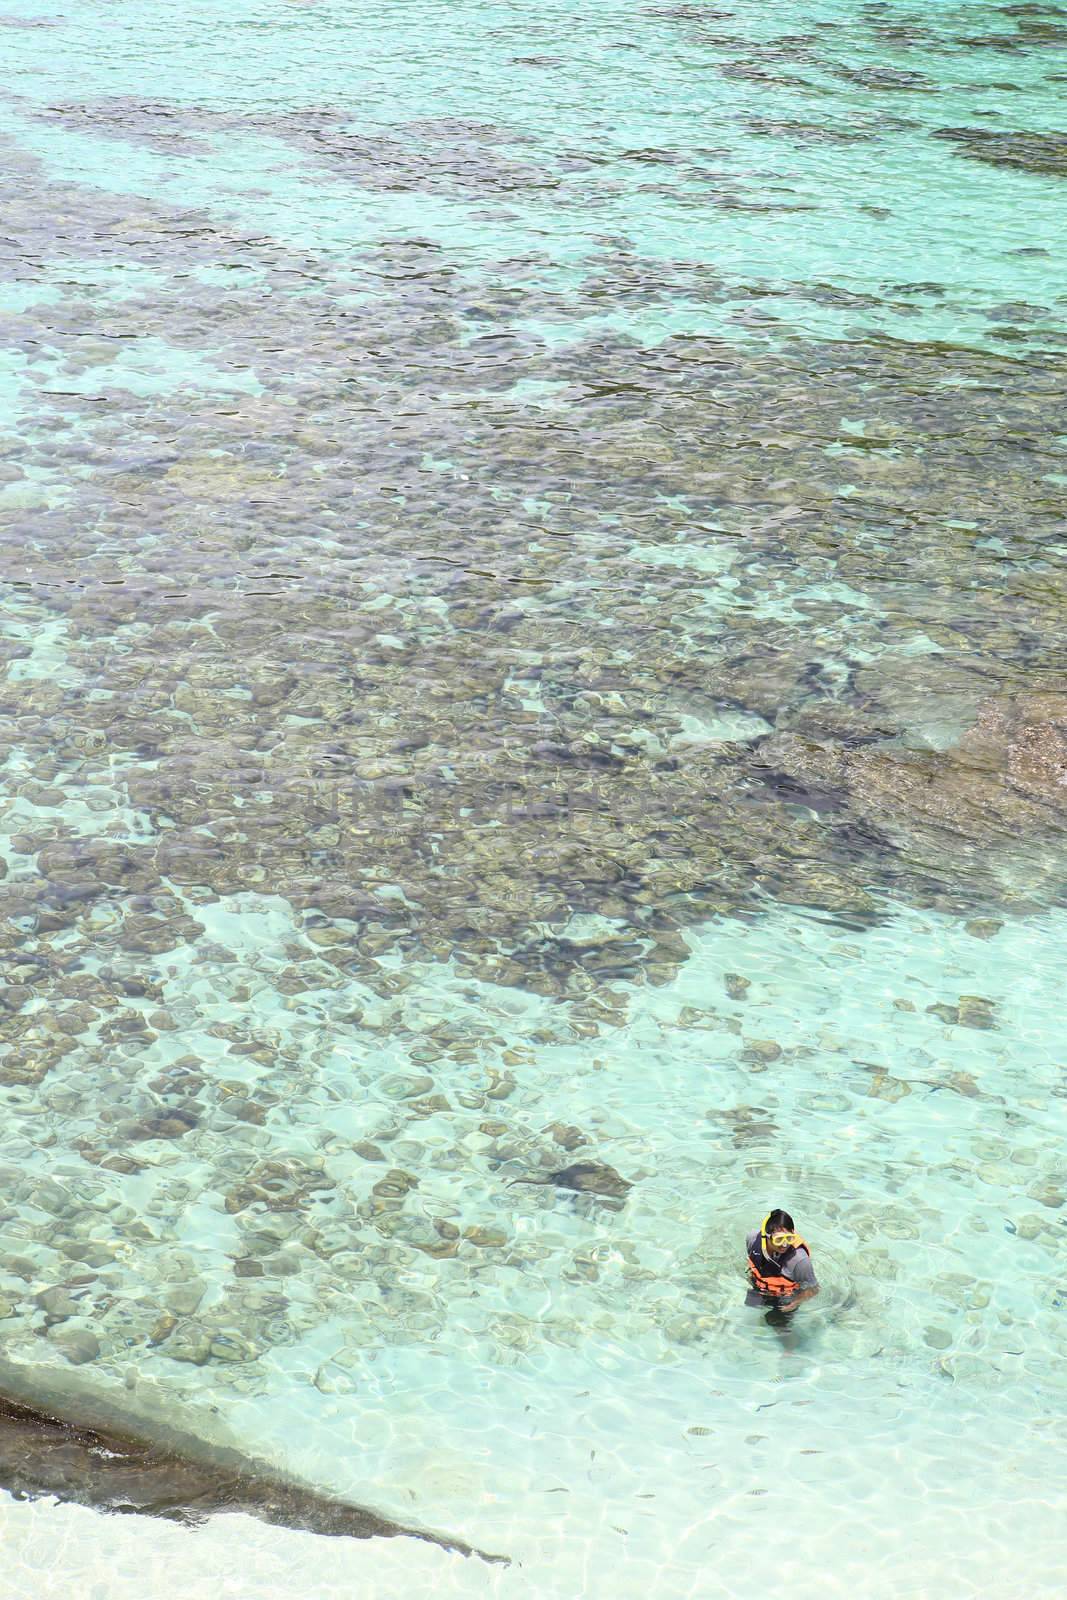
[(113, 1471)]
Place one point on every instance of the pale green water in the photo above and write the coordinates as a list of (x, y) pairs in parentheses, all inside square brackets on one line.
[(534, 632)]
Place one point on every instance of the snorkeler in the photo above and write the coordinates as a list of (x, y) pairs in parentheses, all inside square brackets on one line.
[(779, 1267)]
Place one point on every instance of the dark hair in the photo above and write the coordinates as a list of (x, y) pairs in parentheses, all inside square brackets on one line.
[(780, 1222)]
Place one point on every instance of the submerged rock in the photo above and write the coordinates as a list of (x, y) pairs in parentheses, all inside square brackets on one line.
[(1044, 153), (57, 1303), (761, 1050), (486, 1238), (885, 1087), (567, 1135), (77, 1344), (976, 1012), (1002, 781)]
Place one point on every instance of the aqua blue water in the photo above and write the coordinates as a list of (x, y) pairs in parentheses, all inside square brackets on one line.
[(533, 620)]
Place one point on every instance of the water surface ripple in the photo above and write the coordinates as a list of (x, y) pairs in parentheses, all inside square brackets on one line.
[(533, 629)]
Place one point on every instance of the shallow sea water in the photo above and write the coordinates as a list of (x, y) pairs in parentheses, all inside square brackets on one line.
[(533, 627)]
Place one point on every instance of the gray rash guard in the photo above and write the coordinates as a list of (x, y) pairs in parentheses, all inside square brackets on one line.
[(797, 1268)]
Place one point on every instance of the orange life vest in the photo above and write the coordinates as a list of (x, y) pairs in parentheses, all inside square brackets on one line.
[(764, 1277)]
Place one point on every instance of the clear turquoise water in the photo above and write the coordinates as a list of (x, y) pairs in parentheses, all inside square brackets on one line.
[(533, 623)]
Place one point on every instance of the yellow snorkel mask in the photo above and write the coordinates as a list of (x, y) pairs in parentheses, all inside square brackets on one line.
[(778, 1241)]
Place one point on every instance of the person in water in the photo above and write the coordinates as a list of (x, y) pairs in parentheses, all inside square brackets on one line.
[(779, 1267)]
